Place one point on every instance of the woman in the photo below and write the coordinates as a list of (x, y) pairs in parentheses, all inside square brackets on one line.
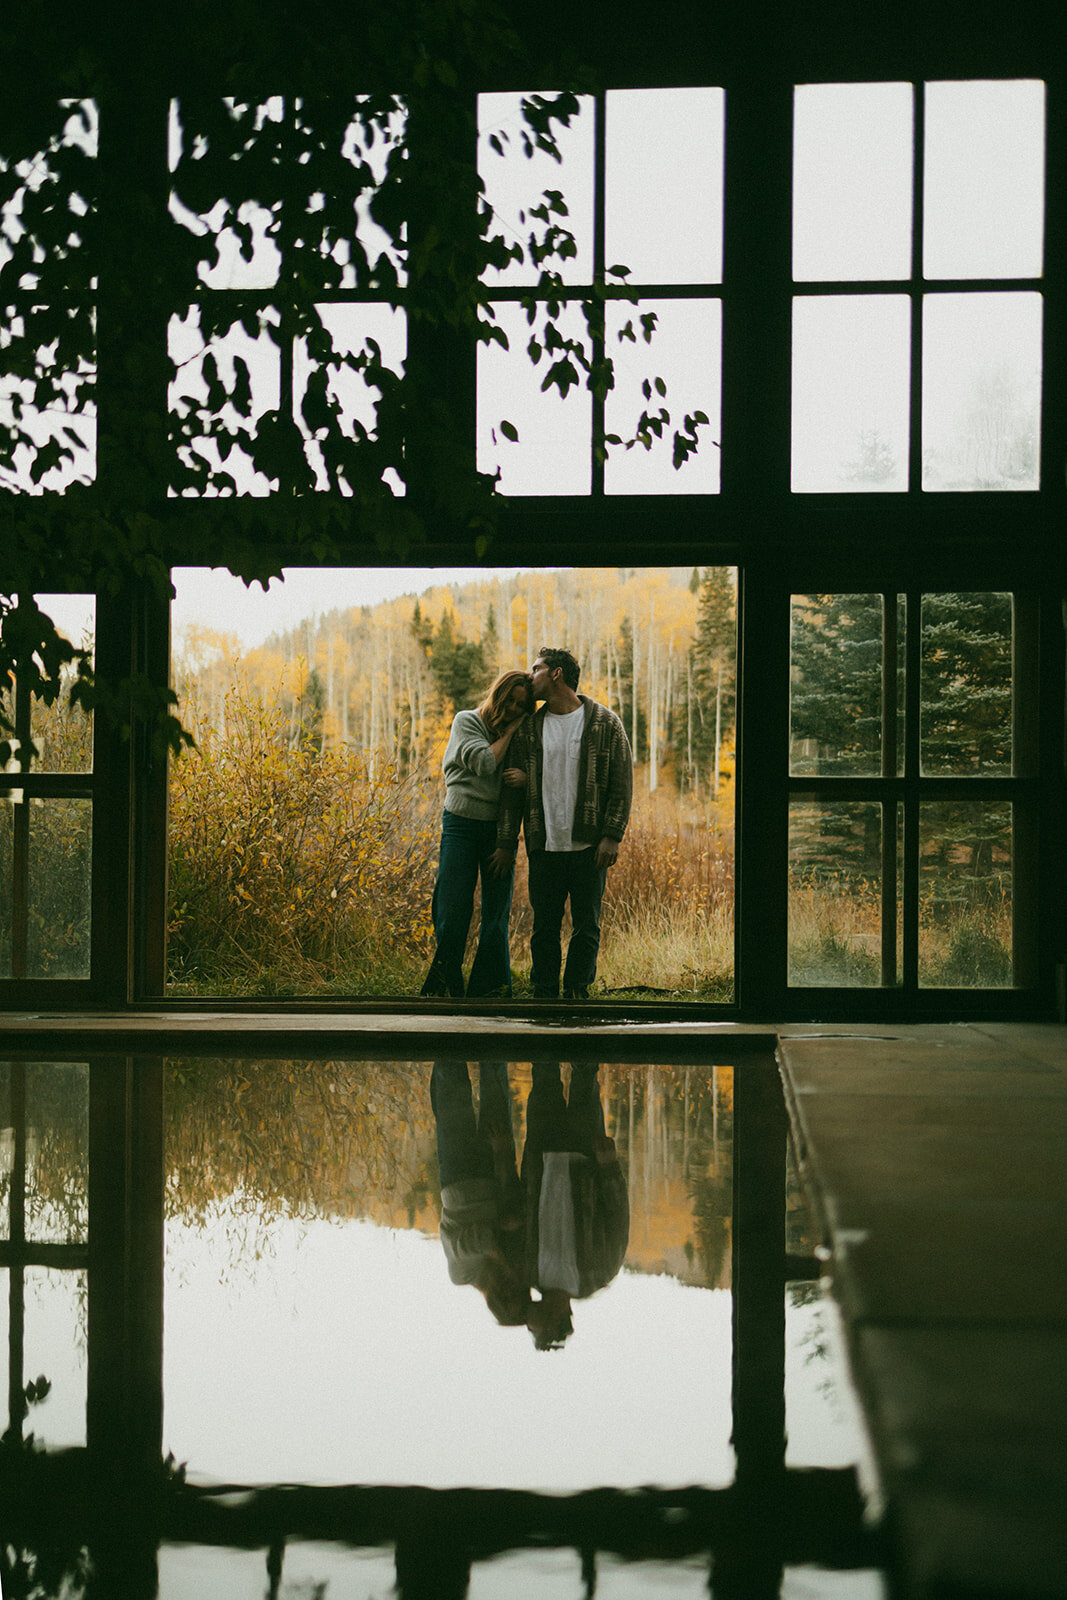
[(474, 772)]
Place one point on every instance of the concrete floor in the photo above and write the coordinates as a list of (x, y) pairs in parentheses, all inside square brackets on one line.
[(936, 1158)]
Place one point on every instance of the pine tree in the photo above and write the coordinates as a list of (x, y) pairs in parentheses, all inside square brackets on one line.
[(836, 685), (713, 673), (458, 667)]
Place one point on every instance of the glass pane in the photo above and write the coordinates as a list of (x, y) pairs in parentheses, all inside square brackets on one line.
[(835, 898), (966, 705), (60, 888), (664, 174), (685, 352), (852, 178), (835, 685), (335, 396), (984, 194), (981, 391), (851, 365), (225, 382), (239, 234), (521, 178), (965, 895), (57, 1152), (47, 395), (64, 737), (55, 1349), (8, 801), (553, 453)]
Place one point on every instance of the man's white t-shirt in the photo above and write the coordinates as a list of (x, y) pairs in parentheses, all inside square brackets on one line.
[(561, 740)]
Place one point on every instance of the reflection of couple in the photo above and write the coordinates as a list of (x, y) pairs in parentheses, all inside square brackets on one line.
[(560, 1228), (568, 782)]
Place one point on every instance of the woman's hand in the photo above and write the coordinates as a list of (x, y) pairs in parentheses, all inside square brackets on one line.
[(499, 746), (515, 777)]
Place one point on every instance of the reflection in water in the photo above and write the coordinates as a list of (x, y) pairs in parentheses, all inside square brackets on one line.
[(561, 1229), (350, 1255)]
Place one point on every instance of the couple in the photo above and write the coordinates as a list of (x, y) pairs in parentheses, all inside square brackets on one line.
[(558, 1226), (568, 781)]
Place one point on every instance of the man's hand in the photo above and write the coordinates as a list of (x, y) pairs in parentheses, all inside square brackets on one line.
[(501, 862), (515, 777), (607, 852)]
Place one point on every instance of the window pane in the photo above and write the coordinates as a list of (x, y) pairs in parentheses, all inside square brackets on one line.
[(966, 706), (47, 397), (64, 736), (965, 895), (664, 173), (228, 158), (225, 381), (984, 165), (835, 898), (335, 397), (852, 176), (553, 454), (981, 391), (8, 802), (57, 1152), (221, 139), (835, 685), (60, 885), (850, 394), (686, 353), (521, 178)]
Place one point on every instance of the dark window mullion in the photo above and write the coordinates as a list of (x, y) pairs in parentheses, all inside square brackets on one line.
[(910, 889), (596, 323), (17, 1236), (918, 213), (20, 842), (890, 909)]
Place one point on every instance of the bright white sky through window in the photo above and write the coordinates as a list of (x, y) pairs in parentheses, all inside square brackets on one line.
[(982, 167)]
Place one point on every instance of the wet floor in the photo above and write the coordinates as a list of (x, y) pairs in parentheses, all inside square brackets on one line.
[(399, 1328)]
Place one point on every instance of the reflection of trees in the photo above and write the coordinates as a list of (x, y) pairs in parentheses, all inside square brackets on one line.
[(312, 1138), (57, 1147), (339, 1139), (673, 1130)]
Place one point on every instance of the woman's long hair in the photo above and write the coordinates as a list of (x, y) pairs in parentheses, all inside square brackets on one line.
[(491, 709)]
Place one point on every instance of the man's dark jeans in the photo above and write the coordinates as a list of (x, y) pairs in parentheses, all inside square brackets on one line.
[(555, 877)]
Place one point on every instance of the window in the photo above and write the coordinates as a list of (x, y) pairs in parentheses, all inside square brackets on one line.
[(293, 316), (47, 309), (909, 801), (917, 259), (610, 230), (46, 823)]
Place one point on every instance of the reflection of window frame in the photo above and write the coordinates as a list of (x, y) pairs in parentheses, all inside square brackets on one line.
[(17, 1253), (902, 794), (918, 290)]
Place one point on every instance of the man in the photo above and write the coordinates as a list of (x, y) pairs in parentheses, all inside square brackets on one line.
[(574, 807)]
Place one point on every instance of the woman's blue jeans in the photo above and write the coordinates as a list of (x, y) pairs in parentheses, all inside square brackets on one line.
[(466, 846)]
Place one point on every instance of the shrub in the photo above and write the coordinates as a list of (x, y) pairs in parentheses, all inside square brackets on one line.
[(292, 868)]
